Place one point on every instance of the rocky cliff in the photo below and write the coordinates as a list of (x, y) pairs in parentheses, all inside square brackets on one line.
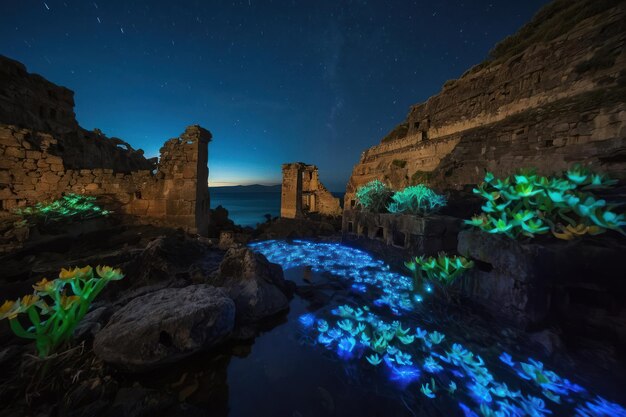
[(549, 96)]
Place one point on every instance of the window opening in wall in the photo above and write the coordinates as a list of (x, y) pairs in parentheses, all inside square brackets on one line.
[(349, 224), (352, 203), (138, 194), (380, 233), (398, 239), (416, 125), (364, 231)]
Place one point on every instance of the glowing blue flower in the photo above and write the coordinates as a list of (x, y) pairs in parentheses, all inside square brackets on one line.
[(345, 325), (431, 365), (420, 334), (427, 391), (451, 387), (307, 320), (374, 359), (346, 344), (506, 358), (322, 326), (436, 337)]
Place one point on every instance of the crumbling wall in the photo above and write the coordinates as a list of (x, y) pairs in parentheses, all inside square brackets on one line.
[(554, 104), (302, 192), (44, 153)]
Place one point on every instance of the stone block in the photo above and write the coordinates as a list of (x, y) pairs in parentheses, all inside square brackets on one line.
[(14, 152)]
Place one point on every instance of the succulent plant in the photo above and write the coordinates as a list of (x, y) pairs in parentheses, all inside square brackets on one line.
[(52, 311), (374, 196), (419, 200), (527, 204)]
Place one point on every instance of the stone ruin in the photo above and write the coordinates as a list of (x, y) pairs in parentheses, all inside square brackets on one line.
[(549, 106), (302, 193), (45, 153)]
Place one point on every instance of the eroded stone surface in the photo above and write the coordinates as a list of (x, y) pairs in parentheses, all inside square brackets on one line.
[(165, 326)]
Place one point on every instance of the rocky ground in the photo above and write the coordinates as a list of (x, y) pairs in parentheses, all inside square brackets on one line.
[(182, 295)]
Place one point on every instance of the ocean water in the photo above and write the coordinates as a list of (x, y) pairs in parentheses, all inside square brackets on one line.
[(247, 208)]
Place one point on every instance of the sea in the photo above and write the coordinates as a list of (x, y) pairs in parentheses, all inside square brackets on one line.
[(248, 208)]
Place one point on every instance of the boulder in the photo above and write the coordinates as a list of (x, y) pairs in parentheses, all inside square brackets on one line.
[(165, 326), (257, 286)]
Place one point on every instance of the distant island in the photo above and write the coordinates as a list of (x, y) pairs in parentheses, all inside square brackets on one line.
[(253, 188)]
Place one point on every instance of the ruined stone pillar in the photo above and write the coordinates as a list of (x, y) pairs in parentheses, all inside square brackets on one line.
[(291, 191), (183, 174)]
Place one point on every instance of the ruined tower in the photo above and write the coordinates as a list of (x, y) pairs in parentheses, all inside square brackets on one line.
[(184, 174), (302, 193)]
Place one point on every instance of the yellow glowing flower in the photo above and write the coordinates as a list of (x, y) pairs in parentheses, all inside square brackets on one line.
[(10, 309), (29, 300), (67, 274), (45, 286), (68, 302), (107, 272)]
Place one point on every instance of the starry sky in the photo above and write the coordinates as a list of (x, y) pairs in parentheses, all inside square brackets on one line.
[(274, 81)]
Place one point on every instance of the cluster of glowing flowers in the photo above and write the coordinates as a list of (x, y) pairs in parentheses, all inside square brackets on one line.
[(418, 200), (528, 204), (57, 306), (443, 269), (356, 333), (67, 207)]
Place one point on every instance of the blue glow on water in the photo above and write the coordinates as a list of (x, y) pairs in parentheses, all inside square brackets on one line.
[(429, 362)]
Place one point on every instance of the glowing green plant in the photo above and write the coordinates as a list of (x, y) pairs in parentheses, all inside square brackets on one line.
[(57, 306), (440, 271), (527, 204), (374, 196), (67, 207), (419, 199)]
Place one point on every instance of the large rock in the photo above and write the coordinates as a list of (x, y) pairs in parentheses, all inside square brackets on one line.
[(165, 326), (256, 285)]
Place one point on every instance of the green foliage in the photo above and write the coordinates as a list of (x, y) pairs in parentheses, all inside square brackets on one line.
[(527, 204), (418, 199), (52, 313), (398, 132), (441, 271), (553, 20), (374, 196), (400, 163), (70, 206)]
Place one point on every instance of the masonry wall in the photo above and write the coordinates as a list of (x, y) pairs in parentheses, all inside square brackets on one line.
[(552, 105), (302, 192), (45, 153)]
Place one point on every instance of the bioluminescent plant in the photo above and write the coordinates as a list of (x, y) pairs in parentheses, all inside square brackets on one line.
[(440, 271), (528, 204), (449, 369), (56, 307), (419, 200), (70, 206), (374, 196), (427, 362)]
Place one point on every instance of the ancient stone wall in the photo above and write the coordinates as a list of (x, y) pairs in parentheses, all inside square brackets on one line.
[(302, 192), (45, 153), (554, 104)]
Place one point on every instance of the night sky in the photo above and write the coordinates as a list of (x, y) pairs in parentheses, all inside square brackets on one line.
[(274, 81)]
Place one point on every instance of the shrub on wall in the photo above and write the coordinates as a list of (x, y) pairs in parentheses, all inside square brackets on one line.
[(419, 200), (527, 204), (373, 196)]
